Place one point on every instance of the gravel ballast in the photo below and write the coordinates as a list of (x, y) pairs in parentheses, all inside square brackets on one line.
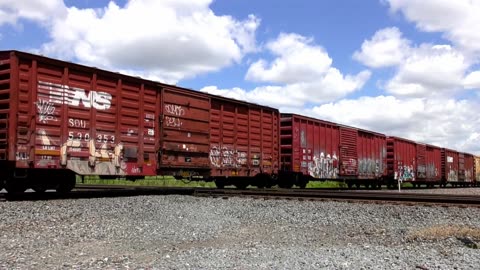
[(184, 232)]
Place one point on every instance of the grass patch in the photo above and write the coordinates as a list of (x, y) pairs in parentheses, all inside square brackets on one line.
[(153, 181), (441, 232), (326, 184)]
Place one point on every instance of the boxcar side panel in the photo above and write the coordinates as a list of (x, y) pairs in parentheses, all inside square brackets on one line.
[(83, 119), (421, 170), (286, 143), (450, 162), (371, 155), (244, 139), (401, 159), (6, 108), (316, 147), (433, 163), (466, 166), (348, 152), (185, 132)]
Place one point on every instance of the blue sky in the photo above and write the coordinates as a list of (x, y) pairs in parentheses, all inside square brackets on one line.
[(402, 67)]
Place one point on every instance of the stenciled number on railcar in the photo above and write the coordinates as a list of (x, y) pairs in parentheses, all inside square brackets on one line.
[(85, 136)]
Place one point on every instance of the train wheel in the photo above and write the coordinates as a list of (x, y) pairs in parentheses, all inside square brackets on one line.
[(220, 184), (241, 186), (66, 185), (15, 186), (39, 189), (285, 185)]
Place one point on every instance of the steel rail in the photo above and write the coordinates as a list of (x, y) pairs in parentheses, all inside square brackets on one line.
[(442, 199)]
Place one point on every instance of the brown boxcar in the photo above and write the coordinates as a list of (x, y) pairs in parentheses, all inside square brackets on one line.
[(64, 119), (450, 162), (58, 119), (244, 142), (324, 150), (402, 160)]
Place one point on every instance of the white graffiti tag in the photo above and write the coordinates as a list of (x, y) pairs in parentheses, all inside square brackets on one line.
[(225, 156), (324, 166), (176, 110), (173, 121), (404, 173), (46, 111)]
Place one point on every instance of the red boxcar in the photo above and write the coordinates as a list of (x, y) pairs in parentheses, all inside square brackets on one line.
[(244, 142), (58, 119), (324, 150), (64, 119), (221, 138)]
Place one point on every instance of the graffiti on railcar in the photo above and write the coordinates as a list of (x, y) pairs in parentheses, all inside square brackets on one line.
[(46, 111), (173, 122), (324, 166), (369, 166), (421, 171), (404, 172), (227, 156), (469, 175), (349, 166), (104, 160), (175, 113), (431, 171), (452, 175)]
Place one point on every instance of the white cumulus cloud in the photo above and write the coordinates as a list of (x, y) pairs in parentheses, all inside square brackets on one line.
[(11, 11), (173, 40), (444, 122), (386, 48), (472, 80), (300, 73), (430, 70), (458, 20)]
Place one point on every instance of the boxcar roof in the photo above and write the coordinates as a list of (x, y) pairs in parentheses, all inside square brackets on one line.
[(332, 123), (55, 61)]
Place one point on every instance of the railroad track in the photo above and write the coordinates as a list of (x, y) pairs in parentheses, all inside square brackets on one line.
[(352, 196), (100, 191), (97, 191)]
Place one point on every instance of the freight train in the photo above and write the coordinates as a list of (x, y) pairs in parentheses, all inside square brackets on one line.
[(60, 120)]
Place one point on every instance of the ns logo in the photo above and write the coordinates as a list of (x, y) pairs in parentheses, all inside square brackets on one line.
[(73, 96)]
